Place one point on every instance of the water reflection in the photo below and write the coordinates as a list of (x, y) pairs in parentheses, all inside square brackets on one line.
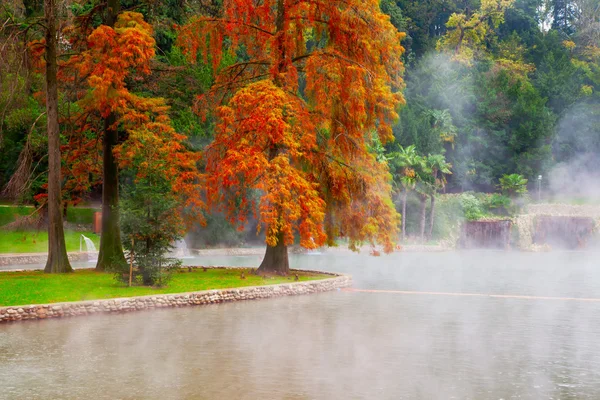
[(339, 344)]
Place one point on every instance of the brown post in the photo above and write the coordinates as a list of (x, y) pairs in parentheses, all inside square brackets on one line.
[(97, 223)]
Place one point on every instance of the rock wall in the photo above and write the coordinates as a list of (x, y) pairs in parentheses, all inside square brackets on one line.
[(485, 234), (571, 210), (33, 258), (546, 226), (563, 232), (73, 309)]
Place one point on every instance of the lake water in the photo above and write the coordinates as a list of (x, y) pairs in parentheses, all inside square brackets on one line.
[(409, 337)]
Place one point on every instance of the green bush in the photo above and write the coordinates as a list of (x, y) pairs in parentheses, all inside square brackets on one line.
[(496, 203), (150, 224), (472, 207)]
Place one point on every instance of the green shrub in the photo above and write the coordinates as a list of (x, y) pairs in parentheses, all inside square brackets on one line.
[(150, 224), (496, 203), (472, 207)]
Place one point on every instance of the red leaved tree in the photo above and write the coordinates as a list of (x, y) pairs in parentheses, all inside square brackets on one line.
[(318, 83), (135, 131)]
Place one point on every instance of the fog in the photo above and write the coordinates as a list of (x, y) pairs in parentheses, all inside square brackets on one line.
[(577, 144), (382, 344)]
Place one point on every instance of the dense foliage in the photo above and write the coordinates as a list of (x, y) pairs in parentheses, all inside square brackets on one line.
[(497, 93)]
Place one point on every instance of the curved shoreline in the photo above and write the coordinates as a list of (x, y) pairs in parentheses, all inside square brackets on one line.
[(186, 299), (40, 258)]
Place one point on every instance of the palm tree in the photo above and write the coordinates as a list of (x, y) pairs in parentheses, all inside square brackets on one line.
[(407, 166), (439, 169), (513, 185), (424, 189)]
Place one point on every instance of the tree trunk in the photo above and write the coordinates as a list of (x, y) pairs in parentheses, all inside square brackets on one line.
[(113, 8), (403, 216), (276, 257), (57, 250), (423, 200), (276, 260), (111, 248), (431, 217)]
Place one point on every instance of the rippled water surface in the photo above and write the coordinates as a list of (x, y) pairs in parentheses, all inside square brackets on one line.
[(340, 345)]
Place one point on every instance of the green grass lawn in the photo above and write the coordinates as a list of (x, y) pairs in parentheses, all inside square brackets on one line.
[(35, 287), (37, 241)]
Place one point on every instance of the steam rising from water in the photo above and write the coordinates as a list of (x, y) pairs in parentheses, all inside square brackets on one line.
[(338, 344), (578, 142)]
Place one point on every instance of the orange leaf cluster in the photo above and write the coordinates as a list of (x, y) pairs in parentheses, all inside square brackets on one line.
[(112, 55), (261, 142), (109, 58), (319, 79)]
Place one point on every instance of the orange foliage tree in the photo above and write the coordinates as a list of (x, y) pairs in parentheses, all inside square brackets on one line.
[(143, 138), (317, 83)]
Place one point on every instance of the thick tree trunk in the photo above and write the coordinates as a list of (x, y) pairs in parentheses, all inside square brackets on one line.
[(276, 260), (57, 250), (431, 217), (403, 216), (111, 248), (423, 200)]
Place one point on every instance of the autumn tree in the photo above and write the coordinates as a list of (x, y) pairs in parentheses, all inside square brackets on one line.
[(94, 80), (124, 121), (163, 188), (315, 83), (111, 250)]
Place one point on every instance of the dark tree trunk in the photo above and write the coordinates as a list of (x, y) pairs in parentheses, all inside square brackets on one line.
[(113, 8), (276, 260), (403, 216), (431, 217), (57, 250), (111, 248), (423, 200)]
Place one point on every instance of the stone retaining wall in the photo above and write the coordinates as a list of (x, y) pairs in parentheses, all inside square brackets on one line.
[(73, 309), (32, 258), (565, 210)]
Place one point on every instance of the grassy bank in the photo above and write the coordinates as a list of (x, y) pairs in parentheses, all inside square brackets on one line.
[(75, 215), (37, 241), (9, 213), (35, 287)]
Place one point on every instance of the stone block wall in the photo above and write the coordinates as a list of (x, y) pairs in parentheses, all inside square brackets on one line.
[(32, 258)]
